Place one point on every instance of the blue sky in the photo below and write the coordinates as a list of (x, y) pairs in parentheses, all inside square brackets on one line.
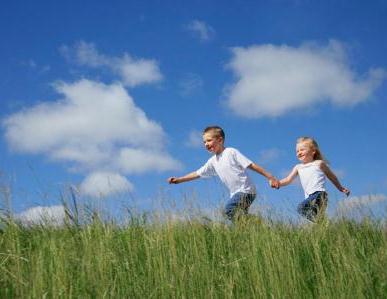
[(111, 96)]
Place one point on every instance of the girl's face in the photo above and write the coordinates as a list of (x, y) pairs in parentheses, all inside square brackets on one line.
[(214, 144), (305, 153)]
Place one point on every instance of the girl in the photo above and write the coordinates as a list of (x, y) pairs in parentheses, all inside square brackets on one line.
[(312, 171)]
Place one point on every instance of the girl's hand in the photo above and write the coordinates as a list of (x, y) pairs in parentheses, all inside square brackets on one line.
[(345, 190)]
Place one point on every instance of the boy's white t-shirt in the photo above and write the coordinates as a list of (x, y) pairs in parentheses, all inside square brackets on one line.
[(312, 177), (230, 166)]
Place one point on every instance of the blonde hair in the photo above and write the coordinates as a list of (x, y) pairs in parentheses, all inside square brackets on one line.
[(217, 131), (313, 145)]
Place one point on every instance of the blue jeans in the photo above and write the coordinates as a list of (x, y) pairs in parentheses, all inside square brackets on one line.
[(238, 202), (314, 205)]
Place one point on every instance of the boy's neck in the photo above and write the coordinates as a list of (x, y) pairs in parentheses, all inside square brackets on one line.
[(221, 149)]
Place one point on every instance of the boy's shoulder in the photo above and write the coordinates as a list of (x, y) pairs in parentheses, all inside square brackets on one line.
[(231, 150), (227, 153)]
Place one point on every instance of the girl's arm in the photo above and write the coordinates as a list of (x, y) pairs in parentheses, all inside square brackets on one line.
[(333, 178), (188, 177), (286, 181)]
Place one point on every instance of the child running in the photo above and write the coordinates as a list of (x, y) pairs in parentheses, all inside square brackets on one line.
[(312, 171), (230, 165)]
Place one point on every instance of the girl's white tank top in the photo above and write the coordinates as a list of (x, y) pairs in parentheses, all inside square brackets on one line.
[(312, 177)]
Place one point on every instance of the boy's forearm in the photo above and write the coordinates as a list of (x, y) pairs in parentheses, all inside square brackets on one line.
[(188, 177), (262, 171)]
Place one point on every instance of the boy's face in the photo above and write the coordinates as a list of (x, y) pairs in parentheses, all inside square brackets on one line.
[(213, 143)]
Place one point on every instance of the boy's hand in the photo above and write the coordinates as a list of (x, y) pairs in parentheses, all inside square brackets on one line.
[(173, 180), (346, 191)]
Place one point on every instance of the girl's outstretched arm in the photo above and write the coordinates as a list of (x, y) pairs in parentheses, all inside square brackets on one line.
[(286, 181), (333, 178), (188, 177)]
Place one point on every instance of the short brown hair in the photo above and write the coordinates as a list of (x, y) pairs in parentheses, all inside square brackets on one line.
[(218, 131)]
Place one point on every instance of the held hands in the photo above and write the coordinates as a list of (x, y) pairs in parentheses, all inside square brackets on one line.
[(274, 183)]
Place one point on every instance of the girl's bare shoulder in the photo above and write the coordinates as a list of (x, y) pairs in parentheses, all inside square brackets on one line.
[(320, 163)]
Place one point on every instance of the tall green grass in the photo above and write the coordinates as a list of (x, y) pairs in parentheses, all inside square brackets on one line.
[(187, 259)]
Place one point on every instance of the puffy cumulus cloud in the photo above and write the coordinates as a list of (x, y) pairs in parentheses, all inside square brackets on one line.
[(201, 29), (52, 215), (101, 184), (132, 71), (85, 126), (274, 80), (94, 126)]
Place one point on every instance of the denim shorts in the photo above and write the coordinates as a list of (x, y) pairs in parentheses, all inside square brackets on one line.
[(314, 205), (238, 202)]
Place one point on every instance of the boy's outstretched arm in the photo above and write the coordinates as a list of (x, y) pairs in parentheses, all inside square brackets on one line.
[(286, 181), (333, 178), (188, 177), (272, 180)]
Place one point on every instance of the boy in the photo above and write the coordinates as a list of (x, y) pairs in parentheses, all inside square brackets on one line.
[(230, 165)]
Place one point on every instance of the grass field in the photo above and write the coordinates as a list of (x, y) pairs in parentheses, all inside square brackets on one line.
[(187, 259)]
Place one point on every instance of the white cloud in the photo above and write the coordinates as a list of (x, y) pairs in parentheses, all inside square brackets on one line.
[(275, 80), (269, 155), (87, 123), (358, 202), (102, 184), (202, 30), (53, 215), (95, 126), (131, 71), (195, 139)]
